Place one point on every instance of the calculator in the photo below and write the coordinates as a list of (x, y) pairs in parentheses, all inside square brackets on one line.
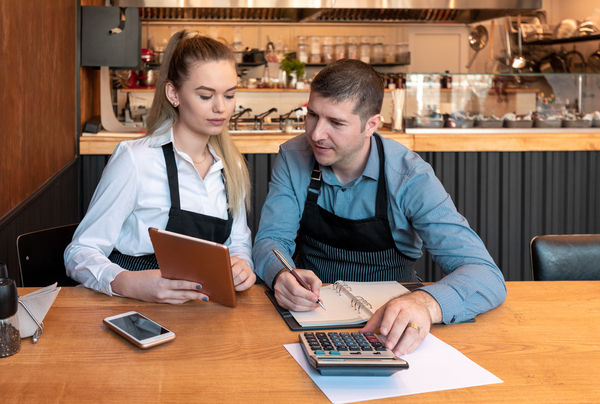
[(349, 354)]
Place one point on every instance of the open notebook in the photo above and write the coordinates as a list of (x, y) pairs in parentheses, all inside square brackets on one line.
[(349, 303)]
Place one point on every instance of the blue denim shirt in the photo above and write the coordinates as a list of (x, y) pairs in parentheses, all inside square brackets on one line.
[(420, 212)]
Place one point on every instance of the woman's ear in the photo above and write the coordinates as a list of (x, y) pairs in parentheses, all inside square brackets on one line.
[(171, 94)]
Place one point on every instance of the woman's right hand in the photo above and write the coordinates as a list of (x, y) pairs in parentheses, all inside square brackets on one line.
[(150, 286)]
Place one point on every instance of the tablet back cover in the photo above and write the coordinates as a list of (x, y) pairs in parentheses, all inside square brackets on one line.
[(193, 259)]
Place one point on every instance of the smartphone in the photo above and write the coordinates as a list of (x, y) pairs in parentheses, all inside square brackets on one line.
[(138, 329)]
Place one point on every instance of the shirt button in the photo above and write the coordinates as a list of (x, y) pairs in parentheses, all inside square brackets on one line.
[(343, 189), (453, 320)]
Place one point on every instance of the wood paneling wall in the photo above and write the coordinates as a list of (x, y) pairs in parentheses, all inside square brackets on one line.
[(90, 83), (37, 96), (507, 197)]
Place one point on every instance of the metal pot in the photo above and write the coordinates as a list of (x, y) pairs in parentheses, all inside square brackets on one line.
[(146, 78)]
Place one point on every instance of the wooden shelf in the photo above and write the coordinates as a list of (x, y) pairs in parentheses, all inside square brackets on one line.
[(564, 40), (442, 140)]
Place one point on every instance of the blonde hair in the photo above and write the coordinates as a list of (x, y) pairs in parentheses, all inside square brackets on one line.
[(183, 52)]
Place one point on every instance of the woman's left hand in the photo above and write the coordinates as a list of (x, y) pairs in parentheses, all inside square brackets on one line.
[(243, 276)]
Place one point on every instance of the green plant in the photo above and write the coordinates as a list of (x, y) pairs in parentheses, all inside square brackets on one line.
[(290, 65)]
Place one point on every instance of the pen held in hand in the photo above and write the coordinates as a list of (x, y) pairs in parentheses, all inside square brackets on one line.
[(289, 268)]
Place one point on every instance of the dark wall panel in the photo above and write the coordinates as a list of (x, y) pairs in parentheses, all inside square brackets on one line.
[(53, 204), (508, 198)]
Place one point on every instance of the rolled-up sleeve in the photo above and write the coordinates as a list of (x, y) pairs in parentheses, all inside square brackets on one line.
[(279, 222), (86, 258), (473, 283)]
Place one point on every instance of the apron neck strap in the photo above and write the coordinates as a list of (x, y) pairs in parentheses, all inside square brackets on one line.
[(381, 200), (172, 175), (314, 188)]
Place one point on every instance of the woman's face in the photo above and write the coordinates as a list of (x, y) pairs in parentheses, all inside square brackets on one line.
[(207, 100)]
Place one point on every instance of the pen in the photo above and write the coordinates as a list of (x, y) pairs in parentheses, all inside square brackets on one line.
[(289, 268)]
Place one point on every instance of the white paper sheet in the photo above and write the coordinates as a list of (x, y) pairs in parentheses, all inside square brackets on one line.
[(433, 366)]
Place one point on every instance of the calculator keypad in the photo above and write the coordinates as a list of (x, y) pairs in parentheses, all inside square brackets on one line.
[(344, 343)]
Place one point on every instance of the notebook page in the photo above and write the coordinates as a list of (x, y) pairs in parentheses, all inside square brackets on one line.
[(377, 293), (339, 310)]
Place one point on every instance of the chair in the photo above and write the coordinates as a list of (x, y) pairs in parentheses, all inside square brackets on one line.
[(565, 257), (41, 256)]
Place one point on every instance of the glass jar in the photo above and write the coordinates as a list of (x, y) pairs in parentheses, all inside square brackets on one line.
[(392, 82), (315, 45), (327, 53), (390, 54), (365, 52), (377, 56), (352, 51), (340, 52), (303, 52), (10, 336)]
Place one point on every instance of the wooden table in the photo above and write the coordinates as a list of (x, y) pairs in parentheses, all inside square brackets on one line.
[(543, 342)]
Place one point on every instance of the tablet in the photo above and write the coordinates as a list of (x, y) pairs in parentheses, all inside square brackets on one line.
[(193, 259)]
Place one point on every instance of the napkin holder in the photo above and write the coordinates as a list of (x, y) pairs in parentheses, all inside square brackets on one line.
[(33, 308)]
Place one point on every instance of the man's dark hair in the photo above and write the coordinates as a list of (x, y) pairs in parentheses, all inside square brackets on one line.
[(351, 79)]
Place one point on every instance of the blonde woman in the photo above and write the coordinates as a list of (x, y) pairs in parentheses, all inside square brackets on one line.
[(186, 176)]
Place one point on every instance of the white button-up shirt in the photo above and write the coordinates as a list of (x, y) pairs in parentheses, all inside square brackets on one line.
[(133, 195)]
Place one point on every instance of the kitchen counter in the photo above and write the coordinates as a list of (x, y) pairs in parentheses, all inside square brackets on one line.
[(421, 140)]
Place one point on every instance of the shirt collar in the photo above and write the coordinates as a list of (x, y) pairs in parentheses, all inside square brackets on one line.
[(162, 136)]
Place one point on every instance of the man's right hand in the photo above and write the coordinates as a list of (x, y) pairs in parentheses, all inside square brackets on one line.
[(292, 296)]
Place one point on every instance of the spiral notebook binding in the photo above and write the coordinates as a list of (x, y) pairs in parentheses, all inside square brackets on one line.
[(339, 286), (357, 302)]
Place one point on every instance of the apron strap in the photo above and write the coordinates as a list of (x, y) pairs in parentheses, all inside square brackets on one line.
[(381, 199), (314, 188), (172, 175)]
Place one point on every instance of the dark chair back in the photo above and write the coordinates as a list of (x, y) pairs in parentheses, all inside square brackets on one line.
[(571, 257), (41, 256)]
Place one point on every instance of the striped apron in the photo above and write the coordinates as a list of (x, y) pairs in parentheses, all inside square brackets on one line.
[(335, 248), (180, 221)]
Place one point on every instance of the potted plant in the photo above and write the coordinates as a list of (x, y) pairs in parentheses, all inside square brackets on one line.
[(293, 68)]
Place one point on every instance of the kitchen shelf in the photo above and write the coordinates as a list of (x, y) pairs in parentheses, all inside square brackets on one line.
[(251, 64), (564, 40)]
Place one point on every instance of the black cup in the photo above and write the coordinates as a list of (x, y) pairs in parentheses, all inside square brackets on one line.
[(3, 270), (9, 299)]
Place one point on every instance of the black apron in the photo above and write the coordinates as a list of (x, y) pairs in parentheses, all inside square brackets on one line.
[(180, 221), (335, 248)]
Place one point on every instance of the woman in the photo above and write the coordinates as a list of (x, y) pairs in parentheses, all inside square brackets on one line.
[(186, 176)]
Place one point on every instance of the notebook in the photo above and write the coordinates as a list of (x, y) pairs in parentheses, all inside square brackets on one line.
[(349, 303), (193, 259)]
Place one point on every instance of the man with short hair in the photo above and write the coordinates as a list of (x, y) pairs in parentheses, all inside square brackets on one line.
[(351, 205)]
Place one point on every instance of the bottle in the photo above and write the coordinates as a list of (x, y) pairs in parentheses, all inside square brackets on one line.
[(448, 79), (10, 336)]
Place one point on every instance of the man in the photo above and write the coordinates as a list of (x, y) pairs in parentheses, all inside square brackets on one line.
[(350, 205)]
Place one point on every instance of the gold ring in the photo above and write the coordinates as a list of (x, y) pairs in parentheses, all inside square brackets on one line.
[(416, 327)]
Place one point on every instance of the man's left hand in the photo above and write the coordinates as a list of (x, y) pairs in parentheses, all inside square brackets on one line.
[(405, 321)]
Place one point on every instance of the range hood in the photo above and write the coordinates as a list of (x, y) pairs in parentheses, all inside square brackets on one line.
[(330, 11)]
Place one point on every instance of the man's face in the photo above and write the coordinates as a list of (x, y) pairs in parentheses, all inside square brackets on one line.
[(335, 133)]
